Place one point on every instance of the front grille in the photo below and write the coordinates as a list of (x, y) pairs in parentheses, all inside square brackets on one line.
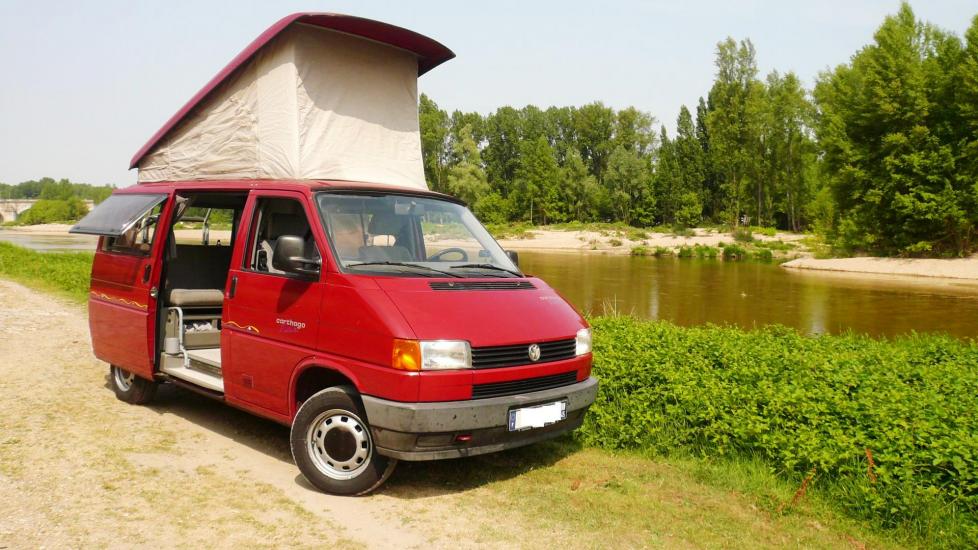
[(512, 356), (482, 285), (526, 385)]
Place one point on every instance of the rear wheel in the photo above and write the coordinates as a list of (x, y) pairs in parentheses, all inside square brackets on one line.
[(332, 446), (130, 388)]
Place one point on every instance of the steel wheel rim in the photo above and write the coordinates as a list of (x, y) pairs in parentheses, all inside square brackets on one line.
[(327, 440), (123, 379)]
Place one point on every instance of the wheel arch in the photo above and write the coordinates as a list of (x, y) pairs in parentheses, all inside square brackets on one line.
[(315, 374)]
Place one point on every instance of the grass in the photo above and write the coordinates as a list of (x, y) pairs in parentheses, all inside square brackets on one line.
[(66, 273), (587, 498)]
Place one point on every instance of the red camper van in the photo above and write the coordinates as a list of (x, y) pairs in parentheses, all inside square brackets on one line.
[(378, 319)]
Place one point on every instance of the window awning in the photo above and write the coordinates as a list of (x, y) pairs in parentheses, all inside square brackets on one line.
[(117, 214)]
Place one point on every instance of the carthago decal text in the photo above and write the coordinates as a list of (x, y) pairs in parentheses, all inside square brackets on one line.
[(288, 325)]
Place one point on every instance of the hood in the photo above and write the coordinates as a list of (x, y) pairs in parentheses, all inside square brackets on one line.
[(464, 309)]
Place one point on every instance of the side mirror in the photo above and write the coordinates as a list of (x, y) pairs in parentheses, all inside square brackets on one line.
[(514, 257), (287, 256)]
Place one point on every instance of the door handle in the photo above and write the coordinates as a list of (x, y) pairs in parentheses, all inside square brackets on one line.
[(234, 286), (147, 271)]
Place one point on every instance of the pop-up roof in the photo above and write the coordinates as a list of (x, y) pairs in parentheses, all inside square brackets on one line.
[(316, 96)]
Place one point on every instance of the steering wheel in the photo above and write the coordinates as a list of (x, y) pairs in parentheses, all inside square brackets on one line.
[(436, 257)]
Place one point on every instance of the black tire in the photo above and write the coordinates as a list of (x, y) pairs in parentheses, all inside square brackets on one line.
[(131, 388), (332, 445)]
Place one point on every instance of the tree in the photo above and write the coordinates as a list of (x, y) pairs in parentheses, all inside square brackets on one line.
[(732, 133), (711, 196), (887, 131), (629, 185), (467, 180), (789, 146), (584, 197), (594, 127), (537, 179), (434, 141), (690, 171)]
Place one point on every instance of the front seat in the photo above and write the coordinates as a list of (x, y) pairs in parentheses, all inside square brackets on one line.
[(387, 223), (285, 223)]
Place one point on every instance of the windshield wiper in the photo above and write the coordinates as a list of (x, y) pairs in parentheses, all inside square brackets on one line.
[(488, 266), (404, 264)]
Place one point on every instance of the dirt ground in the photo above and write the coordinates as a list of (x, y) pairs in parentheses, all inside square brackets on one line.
[(79, 468)]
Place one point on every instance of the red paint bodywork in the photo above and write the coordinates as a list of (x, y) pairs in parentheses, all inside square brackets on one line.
[(350, 320)]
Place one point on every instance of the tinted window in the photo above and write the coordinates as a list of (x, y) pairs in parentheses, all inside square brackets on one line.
[(118, 214), (138, 239)]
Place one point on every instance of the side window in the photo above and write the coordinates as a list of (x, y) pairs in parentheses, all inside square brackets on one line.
[(139, 239), (274, 218), (205, 226)]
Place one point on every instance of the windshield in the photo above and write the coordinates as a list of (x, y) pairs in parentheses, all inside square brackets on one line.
[(415, 236)]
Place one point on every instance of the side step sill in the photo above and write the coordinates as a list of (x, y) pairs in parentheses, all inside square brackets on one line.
[(202, 379)]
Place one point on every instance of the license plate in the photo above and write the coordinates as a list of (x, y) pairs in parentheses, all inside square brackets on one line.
[(538, 416)]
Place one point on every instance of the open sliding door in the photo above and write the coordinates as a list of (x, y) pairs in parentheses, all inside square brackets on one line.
[(125, 277)]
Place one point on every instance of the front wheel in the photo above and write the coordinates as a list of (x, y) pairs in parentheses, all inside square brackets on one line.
[(332, 446), (130, 388)]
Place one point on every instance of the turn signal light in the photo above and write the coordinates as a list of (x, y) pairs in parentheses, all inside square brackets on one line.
[(407, 355)]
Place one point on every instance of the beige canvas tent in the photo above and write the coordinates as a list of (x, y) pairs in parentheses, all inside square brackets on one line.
[(317, 96)]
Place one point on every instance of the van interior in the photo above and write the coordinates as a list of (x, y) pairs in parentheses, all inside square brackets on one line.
[(197, 259)]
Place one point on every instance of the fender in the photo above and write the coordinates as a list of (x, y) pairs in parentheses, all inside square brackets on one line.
[(317, 361)]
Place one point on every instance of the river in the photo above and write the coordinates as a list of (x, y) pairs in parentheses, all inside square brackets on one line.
[(693, 292)]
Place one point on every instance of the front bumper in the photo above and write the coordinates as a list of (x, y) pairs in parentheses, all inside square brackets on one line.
[(427, 431)]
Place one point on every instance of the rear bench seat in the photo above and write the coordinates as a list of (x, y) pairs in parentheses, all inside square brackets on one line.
[(196, 277)]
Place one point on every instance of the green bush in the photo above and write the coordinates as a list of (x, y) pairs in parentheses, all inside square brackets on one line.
[(766, 231), (743, 235), (514, 230), (661, 251), (53, 211), (685, 251), (637, 235), (615, 242), (763, 255), (804, 404), (734, 252), (641, 250), (703, 251)]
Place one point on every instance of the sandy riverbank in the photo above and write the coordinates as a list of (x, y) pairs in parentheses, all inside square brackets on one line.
[(52, 229), (960, 268), (618, 242)]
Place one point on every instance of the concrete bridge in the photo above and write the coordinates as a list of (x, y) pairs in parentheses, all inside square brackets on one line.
[(11, 208)]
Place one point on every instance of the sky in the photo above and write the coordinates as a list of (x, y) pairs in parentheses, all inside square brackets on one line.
[(86, 84)]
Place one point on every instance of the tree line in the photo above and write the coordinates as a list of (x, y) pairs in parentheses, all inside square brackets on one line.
[(57, 200), (882, 155)]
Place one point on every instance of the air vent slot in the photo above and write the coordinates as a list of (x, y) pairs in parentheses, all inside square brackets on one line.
[(513, 387), (481, 285), (513, 356)]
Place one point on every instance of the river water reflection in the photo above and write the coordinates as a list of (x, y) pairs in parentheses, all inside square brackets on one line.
[(693, 292)]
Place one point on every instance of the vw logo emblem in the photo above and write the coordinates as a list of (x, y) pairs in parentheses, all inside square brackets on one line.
[(534, 352)]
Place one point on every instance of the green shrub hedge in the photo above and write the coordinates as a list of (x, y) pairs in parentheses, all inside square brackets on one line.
[(805, 404)]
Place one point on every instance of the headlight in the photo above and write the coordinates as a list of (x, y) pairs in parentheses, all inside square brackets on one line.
[(446, 355), (583, 341), (431, 355)]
